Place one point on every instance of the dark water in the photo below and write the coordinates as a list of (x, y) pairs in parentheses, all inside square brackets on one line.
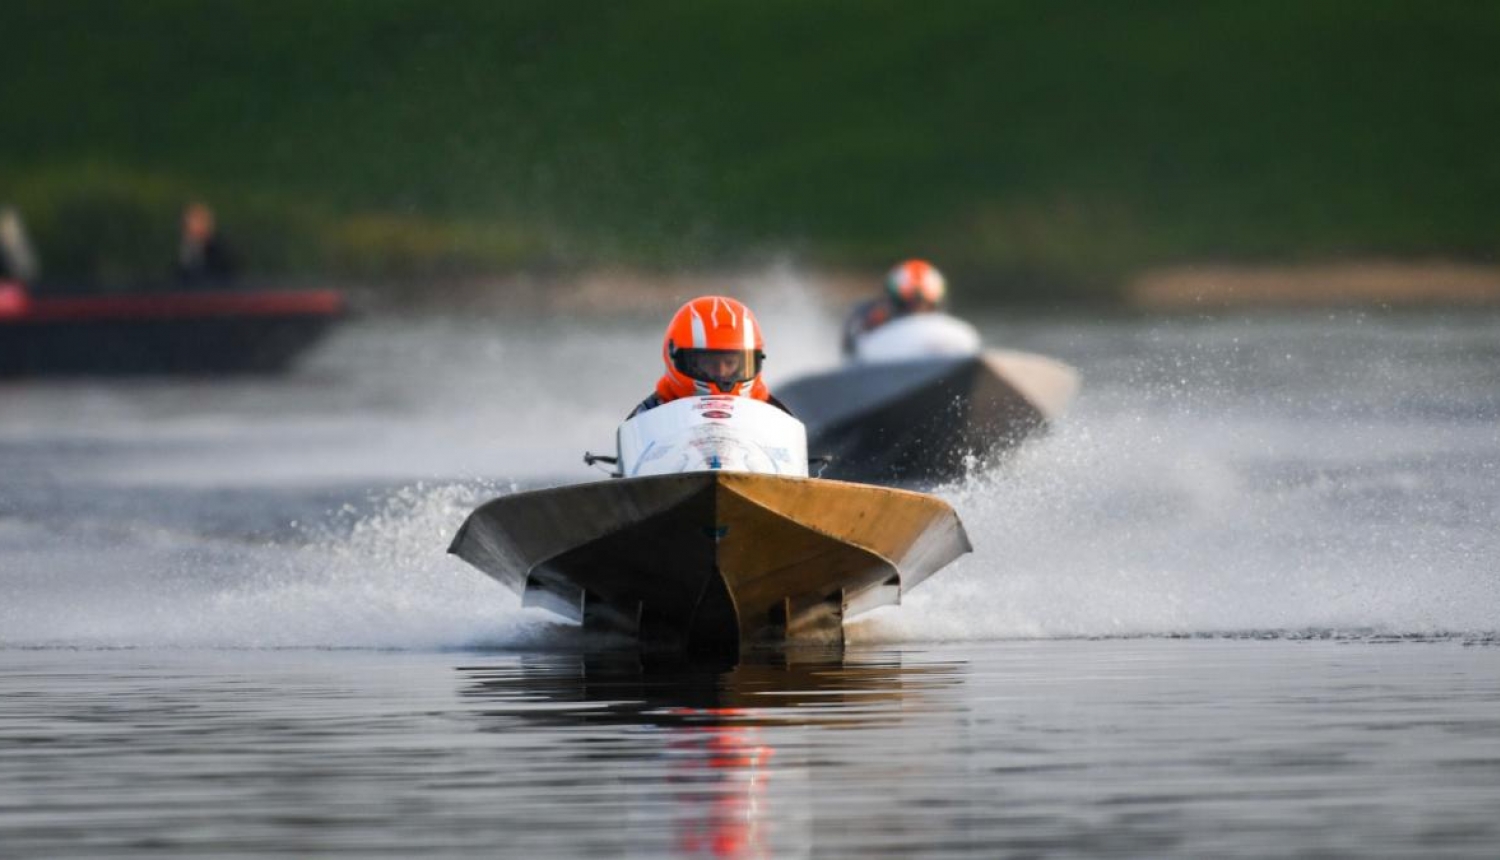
[(1145, 747), (1242, 603)]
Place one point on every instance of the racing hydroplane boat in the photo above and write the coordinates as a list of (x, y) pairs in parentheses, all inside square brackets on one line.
[(921, 402), (712, 537), (161, 331)]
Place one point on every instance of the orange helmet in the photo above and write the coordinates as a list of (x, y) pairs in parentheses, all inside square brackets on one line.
[(712, 346), (916, 285)]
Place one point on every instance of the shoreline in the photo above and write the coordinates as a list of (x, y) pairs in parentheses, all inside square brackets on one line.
[(1359, 282)]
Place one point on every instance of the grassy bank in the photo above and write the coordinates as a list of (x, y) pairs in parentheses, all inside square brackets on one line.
[(1052, 148)]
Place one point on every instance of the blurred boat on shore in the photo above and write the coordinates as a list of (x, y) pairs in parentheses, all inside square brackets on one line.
[(163, 331)]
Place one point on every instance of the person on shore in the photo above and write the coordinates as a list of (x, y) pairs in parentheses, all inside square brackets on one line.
[(203, 258), (17, 259), (713, 345), (912, 287)]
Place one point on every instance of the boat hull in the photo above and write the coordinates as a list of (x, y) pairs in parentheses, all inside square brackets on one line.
[(927, 421), (712, 561), (166, 333)]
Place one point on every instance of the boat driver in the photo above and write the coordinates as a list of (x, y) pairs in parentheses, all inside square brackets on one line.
[(713, 345), (17, 258), (203, 257), (912, 287)]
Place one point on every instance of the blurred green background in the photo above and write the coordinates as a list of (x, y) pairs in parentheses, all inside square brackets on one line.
[(1043, 150)]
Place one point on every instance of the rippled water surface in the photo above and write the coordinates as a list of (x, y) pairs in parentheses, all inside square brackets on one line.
[(1115, 747), (1242, 602)]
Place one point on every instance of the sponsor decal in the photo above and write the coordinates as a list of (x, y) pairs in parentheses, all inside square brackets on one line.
[(717, 415)]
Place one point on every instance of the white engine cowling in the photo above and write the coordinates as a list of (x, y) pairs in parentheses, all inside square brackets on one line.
[(930, 335), (718, 432)]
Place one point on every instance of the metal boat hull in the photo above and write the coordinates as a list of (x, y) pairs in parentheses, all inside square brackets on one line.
[(222, 332), (712, 561), (927, 421)]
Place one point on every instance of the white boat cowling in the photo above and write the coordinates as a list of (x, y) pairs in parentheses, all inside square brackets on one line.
[(931, 335), (699, 434)]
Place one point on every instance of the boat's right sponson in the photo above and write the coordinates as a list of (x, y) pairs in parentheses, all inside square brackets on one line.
[(712, 559)]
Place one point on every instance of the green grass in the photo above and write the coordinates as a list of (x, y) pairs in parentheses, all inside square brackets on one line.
[(1027, 146)]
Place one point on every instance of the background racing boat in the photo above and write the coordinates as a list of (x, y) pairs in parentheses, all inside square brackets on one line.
[(921, 402)]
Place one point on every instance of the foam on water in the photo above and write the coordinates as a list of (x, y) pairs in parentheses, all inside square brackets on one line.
[(1177, 499), (1206, 483), (1080, 538), (375, 580)]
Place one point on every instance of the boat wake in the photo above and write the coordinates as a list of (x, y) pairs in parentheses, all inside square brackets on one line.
[(371, 575), (1109, 527), (1220, 491), (1180, 526)]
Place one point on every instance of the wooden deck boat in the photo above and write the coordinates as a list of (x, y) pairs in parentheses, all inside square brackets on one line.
[(691, 556)]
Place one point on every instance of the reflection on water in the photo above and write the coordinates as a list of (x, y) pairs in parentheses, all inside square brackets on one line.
[(721, 787), (1133, 748), (811, 686), (715, 756)]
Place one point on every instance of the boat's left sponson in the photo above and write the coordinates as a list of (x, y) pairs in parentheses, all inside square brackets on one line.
[(712, 560)]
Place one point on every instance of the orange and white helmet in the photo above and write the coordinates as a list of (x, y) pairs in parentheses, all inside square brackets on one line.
[(713, 345), (916, 285)]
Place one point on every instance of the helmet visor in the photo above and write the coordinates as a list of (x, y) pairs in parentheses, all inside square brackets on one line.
[(726, 367)]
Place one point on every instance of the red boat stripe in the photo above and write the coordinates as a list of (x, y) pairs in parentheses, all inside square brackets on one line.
[(173, 306)]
